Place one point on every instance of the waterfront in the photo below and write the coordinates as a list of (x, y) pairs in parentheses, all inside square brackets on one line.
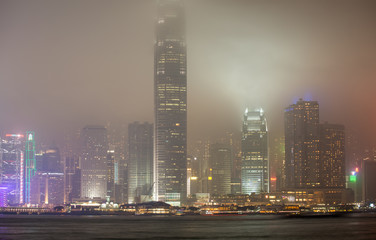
[(354, 226)]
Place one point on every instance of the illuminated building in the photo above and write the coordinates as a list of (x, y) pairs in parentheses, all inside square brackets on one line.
[(220, 163), (255, 160), (170, 92), (111, 173), (47, 188), (3, 196), (93, 162), (193, 175), (12, 167), (302, 145), (140, 168), (277, 164), (30, 164), (332, 156)]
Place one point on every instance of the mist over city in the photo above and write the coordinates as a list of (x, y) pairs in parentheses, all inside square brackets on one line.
[(258, 109)]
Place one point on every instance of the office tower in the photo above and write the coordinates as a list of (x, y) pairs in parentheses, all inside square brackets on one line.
[(12, 167), (72, 175), (369, 180), (277, 164), (47, 188), (111, 173), (332, 156), (220, 167), (170, 92), (93, 162), (255, 160), (30, 164), (51, 161), (140, 164), (302, 145), (193, 175)]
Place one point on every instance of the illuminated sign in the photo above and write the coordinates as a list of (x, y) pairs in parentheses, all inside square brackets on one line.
[(273, 179), (353, 178), (15, 135)]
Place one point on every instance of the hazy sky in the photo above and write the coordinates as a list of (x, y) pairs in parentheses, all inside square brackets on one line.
[(68, 63)]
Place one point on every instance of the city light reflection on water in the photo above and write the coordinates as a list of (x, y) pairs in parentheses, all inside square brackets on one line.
[(187, 227)]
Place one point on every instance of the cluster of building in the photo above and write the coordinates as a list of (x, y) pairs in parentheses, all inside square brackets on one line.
[(307, 166)]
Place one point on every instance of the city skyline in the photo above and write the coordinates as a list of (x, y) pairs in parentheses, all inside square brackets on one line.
[(284, 65)]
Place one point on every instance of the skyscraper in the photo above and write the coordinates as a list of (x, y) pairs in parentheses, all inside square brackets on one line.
[(12, 167), (170, 92), (302, 166), (30, 164), (93, 162), (220, 162), (140, 167), (255, 159), (332, 156)]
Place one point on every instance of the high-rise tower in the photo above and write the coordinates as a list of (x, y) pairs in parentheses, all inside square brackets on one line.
[(255, 159), (302, 165), (170, 92), (30, 164), (140, 168), (93, 162)]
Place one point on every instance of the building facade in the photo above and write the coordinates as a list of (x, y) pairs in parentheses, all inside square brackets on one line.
[(332, 156), (220, 166), (302, 166), (93, 162), (12, 167), (255, 159), (140, 171), (170, 92)]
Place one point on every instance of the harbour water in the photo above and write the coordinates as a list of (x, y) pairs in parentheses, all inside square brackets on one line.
[(356, 226)]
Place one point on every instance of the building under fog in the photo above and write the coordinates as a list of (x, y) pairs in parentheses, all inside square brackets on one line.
[(302, 166), (170, 92), (255, 160), (93, 162), (140, 164), (332, 156)]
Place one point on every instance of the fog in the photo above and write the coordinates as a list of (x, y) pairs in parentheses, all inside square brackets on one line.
[(66, 64)]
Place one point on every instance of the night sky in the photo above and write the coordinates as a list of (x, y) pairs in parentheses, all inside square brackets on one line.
[(66, 64)]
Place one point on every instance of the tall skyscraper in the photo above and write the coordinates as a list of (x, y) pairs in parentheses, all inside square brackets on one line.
[(12, 167), (170, 92), (332, 156), (30, 164), (111, 173), (255, 159), (302, 166), (93, 162), (220, 162), (140, 164)]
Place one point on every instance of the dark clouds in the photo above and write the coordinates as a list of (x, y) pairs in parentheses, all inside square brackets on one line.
[(65, 64)]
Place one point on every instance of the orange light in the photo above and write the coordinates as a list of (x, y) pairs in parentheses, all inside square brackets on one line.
[(273, 179), (356, 169)]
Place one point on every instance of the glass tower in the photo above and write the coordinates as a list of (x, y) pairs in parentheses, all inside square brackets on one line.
[(255, 159), (140, 174), (170, 92)]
